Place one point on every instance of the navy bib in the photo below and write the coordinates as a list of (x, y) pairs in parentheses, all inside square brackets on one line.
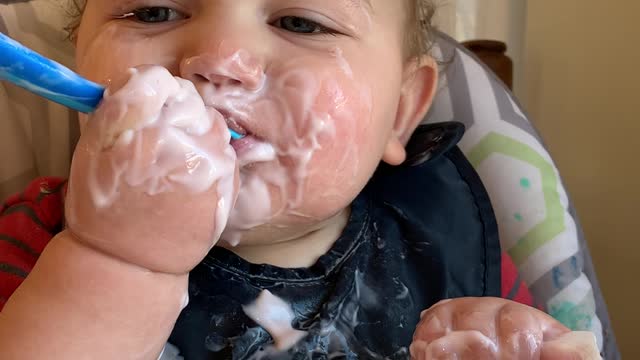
[(418, 233)]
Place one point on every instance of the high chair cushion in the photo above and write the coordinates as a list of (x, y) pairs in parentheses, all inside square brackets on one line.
[(538, 225), (537, 222)]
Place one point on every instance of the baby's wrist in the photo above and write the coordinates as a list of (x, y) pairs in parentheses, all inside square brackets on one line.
[(76, 292), (83, 249), (68, 235), (89, 270)]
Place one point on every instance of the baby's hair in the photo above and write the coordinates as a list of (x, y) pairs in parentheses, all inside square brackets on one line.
[(420, 34), (74, 11), (418, 41)]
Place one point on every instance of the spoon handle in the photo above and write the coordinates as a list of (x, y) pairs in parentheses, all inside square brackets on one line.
[(34, 72), (47, 78)]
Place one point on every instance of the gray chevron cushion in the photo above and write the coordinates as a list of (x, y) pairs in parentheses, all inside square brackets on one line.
[(538, 224)]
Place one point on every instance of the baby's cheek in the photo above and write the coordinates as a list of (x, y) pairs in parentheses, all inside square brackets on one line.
[(114, 51), (347, 156)]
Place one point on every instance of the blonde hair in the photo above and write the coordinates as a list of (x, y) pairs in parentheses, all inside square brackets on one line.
[(420, 32)]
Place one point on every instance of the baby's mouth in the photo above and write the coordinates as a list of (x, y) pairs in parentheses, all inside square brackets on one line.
[(233, 124), (250, 148)]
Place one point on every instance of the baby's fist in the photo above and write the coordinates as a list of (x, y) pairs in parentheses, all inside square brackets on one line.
[(492, 328), (153, 177)]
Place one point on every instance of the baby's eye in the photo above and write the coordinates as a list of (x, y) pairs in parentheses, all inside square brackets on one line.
[(156, 14), (300, 25)]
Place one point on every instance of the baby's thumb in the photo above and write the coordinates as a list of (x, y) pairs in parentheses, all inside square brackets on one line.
[(577, 345)]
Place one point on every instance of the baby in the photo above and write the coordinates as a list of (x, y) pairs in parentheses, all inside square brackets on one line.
[(316, 235)]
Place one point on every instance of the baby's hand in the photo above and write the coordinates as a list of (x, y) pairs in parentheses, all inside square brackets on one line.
[(153, 177), (491, 328)]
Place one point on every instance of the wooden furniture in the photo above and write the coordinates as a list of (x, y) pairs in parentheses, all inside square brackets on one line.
[(493, 54)]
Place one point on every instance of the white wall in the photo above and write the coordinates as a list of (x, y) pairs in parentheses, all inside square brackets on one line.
[(582, 88), (577, 71), (503, 20)]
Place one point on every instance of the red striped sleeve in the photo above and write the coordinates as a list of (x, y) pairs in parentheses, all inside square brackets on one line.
[(513, 288), (27, 222)]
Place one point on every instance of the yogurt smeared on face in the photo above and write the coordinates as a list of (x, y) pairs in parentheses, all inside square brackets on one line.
[(153, 176), (288, 115)]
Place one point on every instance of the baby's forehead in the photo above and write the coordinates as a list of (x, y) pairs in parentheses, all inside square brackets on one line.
[(360, 3)]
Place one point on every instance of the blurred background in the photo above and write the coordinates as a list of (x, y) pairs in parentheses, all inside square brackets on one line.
[(576, 71)]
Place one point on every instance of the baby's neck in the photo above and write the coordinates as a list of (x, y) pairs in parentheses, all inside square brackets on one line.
[(300, 252)]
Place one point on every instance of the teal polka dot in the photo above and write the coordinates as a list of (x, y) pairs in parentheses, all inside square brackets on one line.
[(574, 316), (525, 183), (519, 217)]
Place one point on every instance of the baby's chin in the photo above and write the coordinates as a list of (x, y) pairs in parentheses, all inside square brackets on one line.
[(261, 235), (281, 228)]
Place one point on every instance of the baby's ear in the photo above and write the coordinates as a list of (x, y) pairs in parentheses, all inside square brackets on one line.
[(419, 83)]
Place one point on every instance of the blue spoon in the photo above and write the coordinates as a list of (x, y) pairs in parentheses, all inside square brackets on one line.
[(33, 72)]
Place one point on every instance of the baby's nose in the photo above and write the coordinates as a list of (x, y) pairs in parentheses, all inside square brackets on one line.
[(224, 69)]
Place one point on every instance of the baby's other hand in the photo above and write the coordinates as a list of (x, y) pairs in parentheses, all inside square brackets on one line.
[(153, 177), (492, 328)]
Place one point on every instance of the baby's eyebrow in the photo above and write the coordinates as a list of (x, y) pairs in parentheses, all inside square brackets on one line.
[(358, 3)]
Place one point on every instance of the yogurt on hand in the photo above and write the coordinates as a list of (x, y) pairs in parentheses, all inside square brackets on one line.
[(154, 177)]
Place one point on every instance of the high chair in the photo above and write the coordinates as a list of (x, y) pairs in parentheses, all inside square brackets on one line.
[(537, 222)]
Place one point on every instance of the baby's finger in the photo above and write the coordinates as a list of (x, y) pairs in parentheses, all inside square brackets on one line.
[(479, 318), (134, 100), (434, 324), (519, 332), (456, 345), (578, 345), (551, 328), (436, 305), (459, 314)]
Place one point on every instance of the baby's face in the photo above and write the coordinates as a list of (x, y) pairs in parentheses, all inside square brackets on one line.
[(314, 84)]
